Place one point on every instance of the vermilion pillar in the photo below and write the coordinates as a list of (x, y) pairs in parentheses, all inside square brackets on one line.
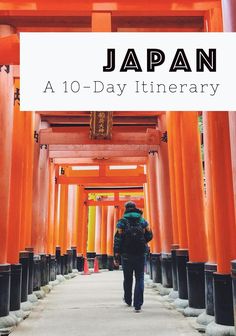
[(170, 143), (224, 215), (27, 191), (164, 205), (91, 230), (85, 229), (193, 193), (63, 234), (154, 216), (75, 218), (51, 206), (56, 209), (80, 204), (193, 186), (104, 237), (232, 126), (16, 174), (6, 131), (110, 230), (178, 196), (98, 233)]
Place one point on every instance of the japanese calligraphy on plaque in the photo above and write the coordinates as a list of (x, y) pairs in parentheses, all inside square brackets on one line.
[(100, 125)]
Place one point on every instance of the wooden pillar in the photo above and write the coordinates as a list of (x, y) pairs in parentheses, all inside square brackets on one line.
[(223, 198), (163, 186), (232, 127), (173, 196), (98, 229), (16, 174), (110, 230), (209, 213), (193, 186), (56, 210), (91, 229), (104, 231), (80, 204), (70, 215), (224, 215), (63, 234), (27, 190), (75, 217), (51, 207), (85, 229), (6, 115), (40, 192), (153, 197), (175, 138)]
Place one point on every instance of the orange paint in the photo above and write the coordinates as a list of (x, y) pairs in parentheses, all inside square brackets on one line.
[(79, 229), (174, 119), (51, 206), (13, 244), (6, 116), (172, 180), (104, 231), (222, 186), (153, 198), (164, 198), (63, 234), (101, 22), (98, 229), (193, 186), (209, 210), (110, 230)]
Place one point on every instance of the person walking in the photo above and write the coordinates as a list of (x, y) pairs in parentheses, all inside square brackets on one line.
[(130, 244)]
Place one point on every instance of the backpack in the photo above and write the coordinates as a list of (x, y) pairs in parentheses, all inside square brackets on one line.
[(133, 238)]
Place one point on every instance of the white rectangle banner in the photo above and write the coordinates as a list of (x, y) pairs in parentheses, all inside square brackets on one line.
[(127, 71)]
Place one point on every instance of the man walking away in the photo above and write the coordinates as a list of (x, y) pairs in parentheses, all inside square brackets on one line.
[(130, 243)]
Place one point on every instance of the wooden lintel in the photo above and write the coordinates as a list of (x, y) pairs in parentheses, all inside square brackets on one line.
[(103, 147), (139, 204), (97, 154), (113, 190), (94, 162), (104, 181), (48, 137)]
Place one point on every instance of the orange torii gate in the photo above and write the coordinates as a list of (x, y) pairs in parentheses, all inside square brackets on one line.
[(187, 15)]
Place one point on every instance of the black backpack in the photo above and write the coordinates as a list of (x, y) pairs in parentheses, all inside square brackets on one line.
[(133, 239)]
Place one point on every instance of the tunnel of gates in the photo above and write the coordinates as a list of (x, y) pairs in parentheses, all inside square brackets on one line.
[(66, 176)]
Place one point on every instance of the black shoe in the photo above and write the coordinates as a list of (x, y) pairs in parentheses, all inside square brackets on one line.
[(137, 309), (127, 303)]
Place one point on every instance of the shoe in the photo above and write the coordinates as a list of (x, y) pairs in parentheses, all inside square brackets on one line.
[(137, 309), (127, 303)]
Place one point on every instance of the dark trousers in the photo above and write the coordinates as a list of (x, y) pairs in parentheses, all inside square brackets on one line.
[(130, 265)]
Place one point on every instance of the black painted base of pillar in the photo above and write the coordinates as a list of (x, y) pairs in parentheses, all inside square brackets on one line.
[(181, 261), (104, 261), (48, 261), (233, 269), (223, 299), (80, 263), (209, 297), (37, 273), (156, 267), (58, 259), (43, 269), (99, 258), (53, 268), (70, 260), (15, 289), (5, 276), (31, 269), (110, 263), (91, 254), (66, 265), (24, 260), (74, 257), (196, 285), (174, 267), (166, 270)]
